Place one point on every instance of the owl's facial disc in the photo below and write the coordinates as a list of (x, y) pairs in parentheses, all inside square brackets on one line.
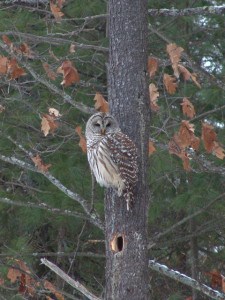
[(106, 125), (100, 127)]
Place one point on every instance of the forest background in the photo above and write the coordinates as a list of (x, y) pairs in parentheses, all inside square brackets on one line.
[(52, 77)]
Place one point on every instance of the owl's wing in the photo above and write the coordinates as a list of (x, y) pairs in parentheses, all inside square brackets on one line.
[(124, 153)]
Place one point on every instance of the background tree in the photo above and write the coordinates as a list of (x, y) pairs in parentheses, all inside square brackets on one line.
[(50, 60)]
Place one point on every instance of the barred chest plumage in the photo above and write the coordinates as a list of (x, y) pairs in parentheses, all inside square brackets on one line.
[(103, 167)]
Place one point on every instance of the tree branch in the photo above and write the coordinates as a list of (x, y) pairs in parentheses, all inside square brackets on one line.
[(184, 220), (208, 166), (216, 295), (67, 98), (86, 206), (173, 12), (33, 2), (59, 254), (203, 164), (203, 11), (209, 112), (74, 283), (52, 40), (44, 206), (191, 64), (93, 217)]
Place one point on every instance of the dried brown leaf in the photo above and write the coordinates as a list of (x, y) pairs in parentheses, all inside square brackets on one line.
[(3, 65), (175, 54), (176, 147), (194, 79), (170, 83), (39, 164), (152, 66), (154, 94), (60, 3), (208, 136), (22, 273), (100, 103), (187, 137), (45, 127), (186, 161), (13, 274), (70, 73), (6, 40), (2, 108), (72, 48), (216, 278), (218, 150), (183, 139), (223, 283), (48, 124), (14, 70), (151, 148), (51, 74), (25, 50), (188, 108), (48, 285), (185, 73), (82, 142), (56, 11)]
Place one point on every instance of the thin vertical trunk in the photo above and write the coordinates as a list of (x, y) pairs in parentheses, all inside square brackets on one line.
[(126, 231), (194, 256), (59, 261)]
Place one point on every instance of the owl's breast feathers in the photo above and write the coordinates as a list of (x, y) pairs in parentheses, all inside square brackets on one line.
[(123, 153)]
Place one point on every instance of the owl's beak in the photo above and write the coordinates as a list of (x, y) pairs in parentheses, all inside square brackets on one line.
[(103, 131)]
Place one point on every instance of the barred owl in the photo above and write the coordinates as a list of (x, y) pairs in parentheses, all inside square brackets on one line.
[(112, 155)]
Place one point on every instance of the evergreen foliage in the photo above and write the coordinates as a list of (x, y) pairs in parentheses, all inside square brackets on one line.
[(175, 194)]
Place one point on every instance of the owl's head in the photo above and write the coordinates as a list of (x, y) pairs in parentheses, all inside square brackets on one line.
[(101, 124)]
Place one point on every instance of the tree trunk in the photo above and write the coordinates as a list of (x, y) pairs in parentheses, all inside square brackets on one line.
[(126, 231)]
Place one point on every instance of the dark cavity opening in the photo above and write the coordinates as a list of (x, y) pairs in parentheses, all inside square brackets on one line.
[(119, 243)]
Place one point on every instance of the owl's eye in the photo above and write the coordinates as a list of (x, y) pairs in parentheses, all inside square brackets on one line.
[(97, 124), (108, 124)]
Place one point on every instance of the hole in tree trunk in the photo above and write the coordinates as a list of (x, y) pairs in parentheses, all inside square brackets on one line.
[(117, 243), (120, 243)]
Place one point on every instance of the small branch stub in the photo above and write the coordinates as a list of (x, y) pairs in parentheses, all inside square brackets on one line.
[(117, 243)]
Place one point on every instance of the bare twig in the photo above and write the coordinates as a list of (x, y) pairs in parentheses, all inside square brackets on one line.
[(193, 11), (191, 64), (67, 98), (52, 40), (204, 10), (184, 220), (58, 254), (186, 280), (209, 112), (74, 283), (93, 217), (204, 165), (43, 206), (77, 247), (34, 2)]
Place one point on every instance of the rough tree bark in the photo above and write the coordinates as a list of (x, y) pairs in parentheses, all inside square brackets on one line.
[(126, 231)]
